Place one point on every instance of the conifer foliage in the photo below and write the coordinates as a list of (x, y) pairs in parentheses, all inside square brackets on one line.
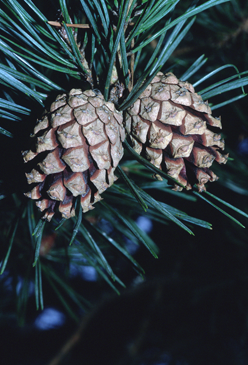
[(104, 59)]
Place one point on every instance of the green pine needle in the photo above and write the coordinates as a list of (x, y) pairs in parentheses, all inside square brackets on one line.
[(77, 225), (88, 237), (119, 32), (185, 16), (194, 68), (38, 237), (227, 204), (219, 209), (132, 188), (112, 242), (38, 287), (163, 209), (132, 226)]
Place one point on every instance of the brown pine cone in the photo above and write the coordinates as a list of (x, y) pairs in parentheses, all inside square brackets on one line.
[(78, 146), (168, 124)]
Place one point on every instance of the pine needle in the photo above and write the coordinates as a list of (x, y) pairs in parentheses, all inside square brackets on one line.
[(219, 209)]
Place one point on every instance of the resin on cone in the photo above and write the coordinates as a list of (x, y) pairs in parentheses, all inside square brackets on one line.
[(78, 145), (169, 125)]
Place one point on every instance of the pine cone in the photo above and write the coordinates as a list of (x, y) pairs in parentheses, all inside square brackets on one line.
[(78, 145), (168, 125)]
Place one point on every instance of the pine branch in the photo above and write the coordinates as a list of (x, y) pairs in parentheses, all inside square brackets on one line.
[(41, 56)]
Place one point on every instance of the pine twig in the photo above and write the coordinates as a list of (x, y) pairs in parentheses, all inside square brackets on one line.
[(132, 67), (58, 24), (70, 343)]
